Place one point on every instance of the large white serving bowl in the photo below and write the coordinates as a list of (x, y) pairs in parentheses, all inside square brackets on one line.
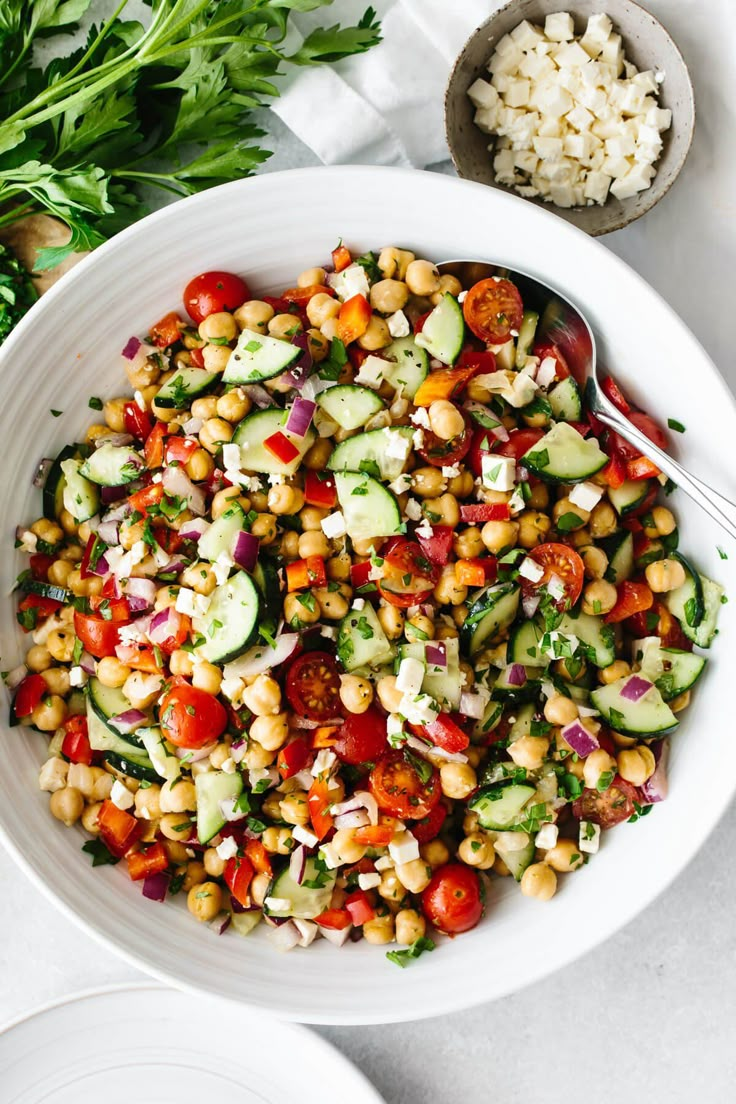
[(269, 229)]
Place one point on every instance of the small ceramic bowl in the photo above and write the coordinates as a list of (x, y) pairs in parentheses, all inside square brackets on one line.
[(646, 43)]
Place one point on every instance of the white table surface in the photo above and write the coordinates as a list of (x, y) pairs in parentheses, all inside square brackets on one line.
[(651, 1012)]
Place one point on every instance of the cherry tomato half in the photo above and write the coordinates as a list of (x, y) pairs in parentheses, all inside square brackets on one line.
[(98, 635), (362, 738), (608, 808), (562, 562), (648, 426), (632, 598), (484, 443), (399, 790), (658, 621), (492, 309), (428, 828), (409, 577), (440, 453), (191, 718), (313, 686), (452, 900), (212, 292)]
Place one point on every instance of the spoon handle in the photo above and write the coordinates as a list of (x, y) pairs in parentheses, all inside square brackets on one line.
[(720, 508)]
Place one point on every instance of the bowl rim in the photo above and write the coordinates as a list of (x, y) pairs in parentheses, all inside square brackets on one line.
[(348, 179), (649, 200)]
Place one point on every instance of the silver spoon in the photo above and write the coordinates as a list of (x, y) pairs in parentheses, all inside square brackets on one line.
[(564, 324)]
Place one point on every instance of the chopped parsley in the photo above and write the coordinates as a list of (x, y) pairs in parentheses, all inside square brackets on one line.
[(414, 950), (101, 855), (674, 424)]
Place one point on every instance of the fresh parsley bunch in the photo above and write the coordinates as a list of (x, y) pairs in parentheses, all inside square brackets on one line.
[(165, 105)]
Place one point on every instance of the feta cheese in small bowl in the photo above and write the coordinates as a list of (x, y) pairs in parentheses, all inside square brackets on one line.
[(587, 111)]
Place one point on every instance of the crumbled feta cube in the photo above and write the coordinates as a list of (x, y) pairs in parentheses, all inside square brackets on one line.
[(420, 417), (77, 676), (556, 588), (559, 27), (410, 677), (546, 837), (596, 186), (394, 725), (228, 848), (139, 401), (221, 567), (526, 35), (185, 601), (121, 796), (329, 632), (549, 149), (329, 856), (333, 526), (586, 495), (303, 835), (596, 34), (420, 709), (481, 94), (451, 471), (418, 439), (398, 323), (277, 904), (385, 862), (53, 775), (369, 881), (517, 502), (202, 603), (401, 484), (351, 281), (517, 93), (371, 372), (531, 570), (635, 180), (589, 839), (231, 456), (228, 765), (232, 688), (498, 472), (398, 445), (403, 848), (413, 510)]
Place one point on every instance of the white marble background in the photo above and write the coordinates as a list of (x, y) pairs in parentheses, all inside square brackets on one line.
[(649, 1015)]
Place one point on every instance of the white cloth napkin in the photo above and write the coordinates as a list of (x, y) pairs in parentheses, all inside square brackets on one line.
[(384, 107)]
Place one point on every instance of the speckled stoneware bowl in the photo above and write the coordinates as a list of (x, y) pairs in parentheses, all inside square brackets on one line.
[(646, 43)]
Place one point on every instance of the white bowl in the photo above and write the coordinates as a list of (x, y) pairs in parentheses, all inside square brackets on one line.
[(269, 229)]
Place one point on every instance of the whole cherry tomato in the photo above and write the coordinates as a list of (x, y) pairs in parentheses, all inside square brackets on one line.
[(362, 738), (452, 900), (191, 718), (212, 292)]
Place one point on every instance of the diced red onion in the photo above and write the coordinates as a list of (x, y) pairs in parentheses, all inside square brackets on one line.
[(305, 723), (238, 750), (284, 937), (194, 756), (176, 482), (298, 863), (515, 674), (529, 604), (432, 753), (635, 687), (580, 740), (140, 592), (108, 531), (173, 566), (522, 474), (221, 923), (102, 567), (307, 929), (300, 416), (132, 346), (357, 819), (192, 426), (163, 625), (230, 811), (246, 550), (237, 907), (436, 654), (500, 432), (656, 788), (42, 472), (258, 395), (118, 513), (21, 534), (16, 676), (336, 936), (116, 439), (472, 705), (296, 376), (88, 663), (303, 778), (264, 658), (315, 386), (546, 372), (361, 799), (128, 721), (194, 529), (156, 885)]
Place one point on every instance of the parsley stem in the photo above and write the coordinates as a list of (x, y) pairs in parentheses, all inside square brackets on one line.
[(101, 35)]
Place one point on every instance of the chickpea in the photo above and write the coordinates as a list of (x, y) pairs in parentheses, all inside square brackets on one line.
[(338, 567), (57, 680), (449, 285), (176, 852), (599, 597), (636, 764), (233, 405), (178, 796), (533, 528), (499, 536), (299, 609), (388, 695), (394, 262), (435, 853), (141, 690), (148, 803), (389, 296), (428, 482), (254, 315), (594, 560), (380, 930), (444, 510), (564, 856), (206, 676), (345, 846), (461, 485), (294, 808), (259, 889), (445, 419), (38, 658), (468, 544), (420, 628), (283, 499), (332, 605), (111, 672), (218, 327), (422, 278), (130, 533), (263, 696), (312, 518), (664, 521), (284, 326), (311, 277), (270, 732), (356, 694), (322, 307), (458, 780), (214, 433), (49, 714), (448, 591), (477, 850), (319, 346), (205, 408), (603, 520), (415, 875), (391, 621), (410, 926), (313, 543), (376, 336), (48, 531), (529, 751), (681, 702), (204, 901), (391, 889), (560, 710), (223, 500), (89, 817), (662, 576), (59, 572), (540, 881), (596, 764), (199, 577), (143, 375), (216, 357), (66, 805), (265, 528), (181, 663), (615, 671), (563, 507), (102, 784), (279, 841)]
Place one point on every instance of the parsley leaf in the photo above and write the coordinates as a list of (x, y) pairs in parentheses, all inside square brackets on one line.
[(414, 950)]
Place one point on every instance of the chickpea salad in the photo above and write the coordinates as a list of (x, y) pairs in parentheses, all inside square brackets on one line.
[(350, 604)]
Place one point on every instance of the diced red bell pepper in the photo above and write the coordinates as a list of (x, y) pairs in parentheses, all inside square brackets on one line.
[(167, 330), (480, 359), (139, 657), (138, 423), (92, 551), (238, 875), (341, 258), (197, 358), (443, 383), (353, 319), (360, 574), (141, 864), (419, 324), (614, 472), (43, 608), (320, 490), (258, 856), (356, 356), (641, 468), (486, 511), (445, 734), (153, 453), (293, 757), (145, 498), (360, 908), (29, 694), (335, 919), (75, 745), (437, 548), (310, 572), (180, 448), (475, 572), (324, 736), (118, 829), (281, 447), (374, 835), (318, 800), (40, 563), (614, 394), (632, 598), (302, 295)]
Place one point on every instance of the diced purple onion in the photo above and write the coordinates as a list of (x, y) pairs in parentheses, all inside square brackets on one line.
[(303, 778), (500, 432), (108, 531), (42, 472), (176, 482), (296, 376), (258, 395), (529, 604), (284, 937), (141, 593), (173, 566), (515, 674), (305, 723), (194, 529), (472, 705), (192, 426), (580, 740), (155, 886), (545, 375), (88, 663), (16, 676), (230, 811), (132, 346), (357, 819), (246, 550), (221, 923), (238, 750), (21, 533), (656, 788), (114, 494), (116, 439), (118, 513), (522, 474), (635, 687), (436, 654), (194, 756), (298, 863), (163, 625), (307, 929), (128, 721), (102, 567), (432, 753), (338, 937), (262, 658), (361, 799), (300, 416)]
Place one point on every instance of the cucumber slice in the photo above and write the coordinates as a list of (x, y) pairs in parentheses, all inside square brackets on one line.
[(266, 578), (252, 432), (381, 453), (243, 923), (564, 398), (160, 752), (629, 495), (186, 385), (135, 766), (505, 355), (514, 695), (524, 341), (231, 620), (517, 861), (106, 701), (222, 535), (258, 357), (80, 497), (112, 466), (687, 602), (649, 716), (102, 738), (350, 406), (368, 508), (564, 456), (443, 333), (491, 614), (500, 808), (305, 901), (441, 683), (407, 366), (598, 640), (703, 634), (211, 789), (361, 642), (45, 590), (53, 488), (672, 671), (524, 645), (620, 551), (522, 725), (490, 720)]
